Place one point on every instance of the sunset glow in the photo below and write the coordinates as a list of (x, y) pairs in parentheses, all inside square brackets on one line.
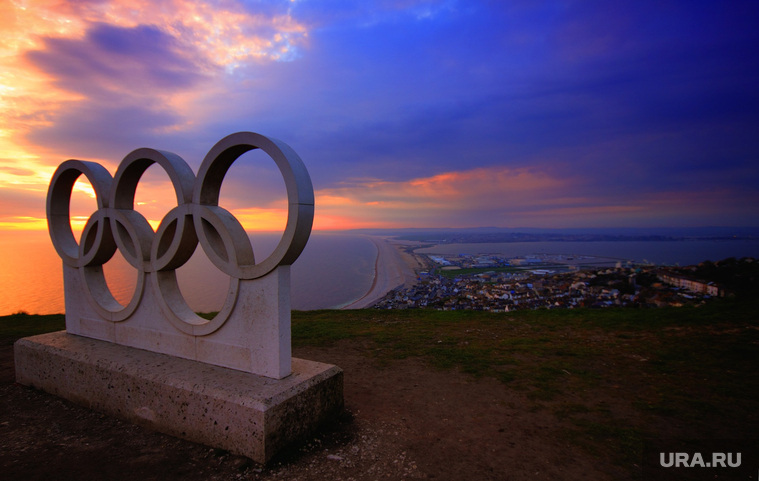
[(407, 114)]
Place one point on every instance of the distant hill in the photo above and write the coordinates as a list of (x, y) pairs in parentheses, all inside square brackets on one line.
[(497, 234)]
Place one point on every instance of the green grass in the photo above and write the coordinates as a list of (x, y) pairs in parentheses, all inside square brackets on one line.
[(611, 377), (563, 340), (21, 325), (470, 271), (614, 377)]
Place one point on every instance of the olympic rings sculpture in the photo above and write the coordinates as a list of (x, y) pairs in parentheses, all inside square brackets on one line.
[(197, 218)]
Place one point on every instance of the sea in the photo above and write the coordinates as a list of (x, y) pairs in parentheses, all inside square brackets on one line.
[(334, 269), (669, 252)]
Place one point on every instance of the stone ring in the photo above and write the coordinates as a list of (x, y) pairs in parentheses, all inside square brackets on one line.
[(196, 218)]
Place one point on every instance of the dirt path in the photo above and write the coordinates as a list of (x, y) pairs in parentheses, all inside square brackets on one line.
[(404, 420)]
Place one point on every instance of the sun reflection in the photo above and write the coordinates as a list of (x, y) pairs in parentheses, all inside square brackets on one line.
[(23, 223), (261, 219)]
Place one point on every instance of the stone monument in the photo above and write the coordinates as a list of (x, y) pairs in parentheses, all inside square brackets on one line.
[(230, 381)]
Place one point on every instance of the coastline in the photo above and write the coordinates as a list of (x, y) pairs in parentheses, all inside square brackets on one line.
[(392, 269)]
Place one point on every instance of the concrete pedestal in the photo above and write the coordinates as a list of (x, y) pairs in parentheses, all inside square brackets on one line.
[(243, 413)]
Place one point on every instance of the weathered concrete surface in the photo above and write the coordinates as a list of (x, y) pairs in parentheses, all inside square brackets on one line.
[(243, 413), (251, 332)]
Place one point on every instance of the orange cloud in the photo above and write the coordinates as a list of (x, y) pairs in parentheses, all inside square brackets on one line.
[(440, 199), (16, 223), (509, 197), (222, 32), (215, 37), (261, 219), (500, 196)]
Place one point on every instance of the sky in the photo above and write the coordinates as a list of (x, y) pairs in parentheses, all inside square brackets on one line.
[(407, 113)]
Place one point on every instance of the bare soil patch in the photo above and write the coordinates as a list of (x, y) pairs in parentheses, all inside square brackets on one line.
[(404, 420), (448, 397)]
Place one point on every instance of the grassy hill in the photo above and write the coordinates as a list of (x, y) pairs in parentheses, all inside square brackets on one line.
[(612, 379), (620, 376)]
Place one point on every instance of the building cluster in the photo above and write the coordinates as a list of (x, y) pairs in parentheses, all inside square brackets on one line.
[(548, 286), (691, 284)]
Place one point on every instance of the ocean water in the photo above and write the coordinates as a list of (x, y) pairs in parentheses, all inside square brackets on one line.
[(685, 252), (334, 269)]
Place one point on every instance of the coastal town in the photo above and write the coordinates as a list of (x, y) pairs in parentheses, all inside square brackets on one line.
[(499, 284)]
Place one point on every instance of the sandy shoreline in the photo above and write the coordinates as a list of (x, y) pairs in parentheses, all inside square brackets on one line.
[(392, 269)]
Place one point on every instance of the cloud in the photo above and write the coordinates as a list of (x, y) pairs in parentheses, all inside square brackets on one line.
[(128, 78), (112, 62), (406, 111), (22, 209), (452, 198), (222, 32), (109, 132), (22, 223), (73, 70), (520, 197), (15, 171), (32, 179)]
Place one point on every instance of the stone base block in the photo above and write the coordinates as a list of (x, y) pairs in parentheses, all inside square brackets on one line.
[(243, 413)]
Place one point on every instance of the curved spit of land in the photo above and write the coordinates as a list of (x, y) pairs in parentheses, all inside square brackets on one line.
[(392, 268)]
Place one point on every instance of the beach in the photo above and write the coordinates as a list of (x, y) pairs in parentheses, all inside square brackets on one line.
[(393, 268)]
